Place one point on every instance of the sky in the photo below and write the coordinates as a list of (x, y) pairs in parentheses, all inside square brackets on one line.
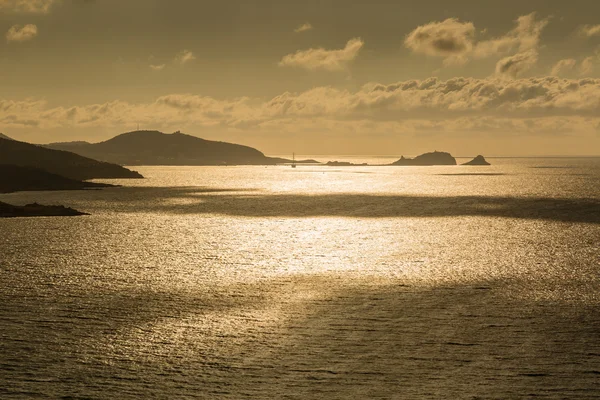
[(374, 77)]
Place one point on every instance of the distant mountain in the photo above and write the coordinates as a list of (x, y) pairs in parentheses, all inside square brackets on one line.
[(68, 146), (157, 148), (57, 162), (479, 160), (3, 136), (435, 158), (14, 178)]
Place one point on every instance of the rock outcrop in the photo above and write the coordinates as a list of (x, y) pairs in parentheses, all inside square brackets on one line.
[(36, 210), (344, 164), (479, 160), (435, 158)]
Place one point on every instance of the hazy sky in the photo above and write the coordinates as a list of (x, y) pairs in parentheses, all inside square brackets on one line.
[(315, 77)]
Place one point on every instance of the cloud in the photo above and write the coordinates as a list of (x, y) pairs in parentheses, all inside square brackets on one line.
[(329, 60), (588, 65), (184, 57), (482, 103), (304, 27), (461, 113), (450, 39), (523, 38), (27, 6), (456, 42), (590, 30), (566, 65), (516, 65), (18, 33), (158, 67)]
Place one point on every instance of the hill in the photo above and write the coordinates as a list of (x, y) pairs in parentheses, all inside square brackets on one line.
[(3, 136), (64, 163), (14, 178), (435, 158), (157, 148)]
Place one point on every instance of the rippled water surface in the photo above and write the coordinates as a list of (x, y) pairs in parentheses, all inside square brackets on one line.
[(314, 282)]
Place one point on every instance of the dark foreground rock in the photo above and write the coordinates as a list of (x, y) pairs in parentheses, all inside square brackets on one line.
[(15, 178), (63, 163), (435, 158), (479, 160), (36, 210)]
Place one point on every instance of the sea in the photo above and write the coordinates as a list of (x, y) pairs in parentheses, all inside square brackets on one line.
[(315, 282)]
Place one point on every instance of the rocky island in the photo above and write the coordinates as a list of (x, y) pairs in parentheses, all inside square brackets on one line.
[(344, 164), (479, 160), (427, 159)]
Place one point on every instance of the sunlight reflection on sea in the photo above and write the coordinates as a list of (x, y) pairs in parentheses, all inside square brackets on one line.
[(320, 282)]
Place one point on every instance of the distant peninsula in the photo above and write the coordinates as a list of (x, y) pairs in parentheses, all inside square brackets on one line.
[(158, 148), (63, 163), (36, 210)]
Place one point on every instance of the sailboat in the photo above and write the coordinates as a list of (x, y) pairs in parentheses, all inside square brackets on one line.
[(293, 160)]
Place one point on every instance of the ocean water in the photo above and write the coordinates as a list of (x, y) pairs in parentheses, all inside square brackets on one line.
[(314, 282)]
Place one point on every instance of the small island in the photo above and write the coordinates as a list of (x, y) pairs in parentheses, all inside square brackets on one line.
[(479, 160), (428, 159), (36, 210), (344, 164)]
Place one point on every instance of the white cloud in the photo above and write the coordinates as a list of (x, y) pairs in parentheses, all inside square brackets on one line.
[(184, 57), (456, 42), (304, 27), (588, 65), (27, 6), (330, 60), (523, 38), (157, 67), (517, 64), (414, 105), (590, 30), (18, 33), (563, 66), (450, 39)]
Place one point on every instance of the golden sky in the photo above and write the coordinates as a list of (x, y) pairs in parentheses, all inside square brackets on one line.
[(313, 77)]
